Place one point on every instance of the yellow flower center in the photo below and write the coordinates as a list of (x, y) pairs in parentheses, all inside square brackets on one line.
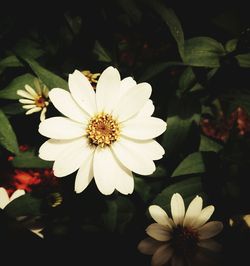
[(40, 102), (103, 130)]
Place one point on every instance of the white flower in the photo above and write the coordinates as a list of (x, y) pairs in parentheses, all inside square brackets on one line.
[(107, 134), (5, 199), (35, 100), (185, 230)]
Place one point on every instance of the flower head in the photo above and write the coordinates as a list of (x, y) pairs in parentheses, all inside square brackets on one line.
[(35, 99), (106, 134), (5, 199), (182, 233)]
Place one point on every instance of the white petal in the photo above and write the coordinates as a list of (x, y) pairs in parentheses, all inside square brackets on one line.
[(104, 180), (24, 94), (37, 232), (107, 88), (72, 158), (4, 198), (17, 193), (52, 148), (149, 245), (31, 91), (210, 229), (132, 102), (29, 106), (84, 175), (210, 244), (193, 211), (61, 128), (162, 255), (42, 115), (177, 208), (147, 110), (64, 102), (204, 216), (158, 232), (125, 85), (82, 92), (132, 158), (159, 215), (143, 128), (33, 110), (27, 101)]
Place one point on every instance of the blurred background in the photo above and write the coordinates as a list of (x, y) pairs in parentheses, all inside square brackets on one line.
[(196, 56)]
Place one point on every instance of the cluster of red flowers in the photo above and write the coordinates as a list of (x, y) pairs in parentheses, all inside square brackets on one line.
[(220, 127), (27, 179)]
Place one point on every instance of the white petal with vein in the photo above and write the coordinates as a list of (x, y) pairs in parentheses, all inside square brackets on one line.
[(177, 208)]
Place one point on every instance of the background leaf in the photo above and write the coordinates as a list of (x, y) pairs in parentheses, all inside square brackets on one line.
[(7, 136)]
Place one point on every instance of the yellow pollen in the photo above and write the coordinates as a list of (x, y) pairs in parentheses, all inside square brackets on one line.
[(103, 130)]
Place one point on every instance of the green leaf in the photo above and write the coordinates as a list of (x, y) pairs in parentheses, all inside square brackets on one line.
[(29, 159), (10, 61), (231, 45), (156, 69), (188, 188), (192, 164), (25, 205), (101, 53), (207, 144), (203, 52), (110, 216), (7, 136), (182, 113), (47, 77), (187, 80), (243, 60), (142, 188), (159, 172), (28, 48), (131, 10), (170, 18), (16, 84), (13, 109)]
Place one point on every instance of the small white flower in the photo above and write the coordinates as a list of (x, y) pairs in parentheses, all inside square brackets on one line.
[(35, 100), (5, 199), (185, 230), (107, 134)]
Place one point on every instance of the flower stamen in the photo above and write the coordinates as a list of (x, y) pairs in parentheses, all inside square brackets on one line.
[(103, 130)]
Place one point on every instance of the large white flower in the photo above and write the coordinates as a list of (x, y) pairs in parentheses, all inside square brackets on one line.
[(5, 199), (107, 134), (184, 231)]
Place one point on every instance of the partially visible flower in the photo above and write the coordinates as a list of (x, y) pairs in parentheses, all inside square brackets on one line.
[(92, 77), (182, 233), (107, 134), (35, 99), (5, 199)]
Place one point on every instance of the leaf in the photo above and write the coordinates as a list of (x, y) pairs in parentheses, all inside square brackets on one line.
[(182, 113), (25, 205), (28, 48), (192, 164), (16, 84), (142, 188), (131, 10), (101, 53), (188, 188), (7, 136), (231, 45), (159, 172), (155, 69), (170, 18), (203, 52), (243, 60), (46, 76), (207, 144), (13, 109), (187, 80), (29, 159), (9, 61), (110, 216)]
